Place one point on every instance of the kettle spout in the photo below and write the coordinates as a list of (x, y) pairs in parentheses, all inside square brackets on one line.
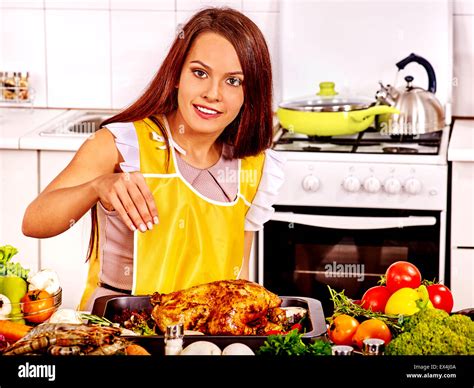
[(386, 95)]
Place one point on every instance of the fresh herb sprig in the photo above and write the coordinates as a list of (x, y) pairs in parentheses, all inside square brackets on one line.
[(344, 305), (291, 344), (96, 320), (319, 347)]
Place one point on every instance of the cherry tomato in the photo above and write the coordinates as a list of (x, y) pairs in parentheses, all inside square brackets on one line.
[(375, 298), (342, 329), (37, 305), (297, 326), (274, 332), (441, 297), (371, 328), (402, 274)]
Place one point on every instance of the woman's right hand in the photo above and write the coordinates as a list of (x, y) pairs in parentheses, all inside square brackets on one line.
[(128, 194)]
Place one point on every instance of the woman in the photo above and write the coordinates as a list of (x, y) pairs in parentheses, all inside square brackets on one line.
[(178, 182)]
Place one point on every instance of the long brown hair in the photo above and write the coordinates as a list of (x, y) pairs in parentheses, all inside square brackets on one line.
[(251, 131)]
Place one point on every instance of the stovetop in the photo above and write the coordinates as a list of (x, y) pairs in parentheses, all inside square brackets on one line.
[(370, 141)]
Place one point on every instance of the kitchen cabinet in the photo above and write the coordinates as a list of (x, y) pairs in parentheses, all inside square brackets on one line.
[(78, 54), (19, 178), (462, 271), (65, 253), (461, 156), (19, 175), (463, 92), (131, 76)]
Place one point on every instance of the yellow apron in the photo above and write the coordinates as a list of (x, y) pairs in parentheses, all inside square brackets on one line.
[(197, 240)]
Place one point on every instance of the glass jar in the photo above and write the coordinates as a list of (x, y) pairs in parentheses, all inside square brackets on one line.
[(373, 347), (174, 339), (342, 350)]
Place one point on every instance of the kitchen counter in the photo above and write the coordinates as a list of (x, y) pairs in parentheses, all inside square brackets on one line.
[(56, 135), (461, 145), (16, 122)]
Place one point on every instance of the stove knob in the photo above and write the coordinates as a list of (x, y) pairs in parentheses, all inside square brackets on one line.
[(311, 183), (372, 184), (412, 186), (392, 186), (351, 184)]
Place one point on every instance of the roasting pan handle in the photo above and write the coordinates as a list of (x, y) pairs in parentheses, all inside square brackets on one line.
[(315, 312), (355, 223)]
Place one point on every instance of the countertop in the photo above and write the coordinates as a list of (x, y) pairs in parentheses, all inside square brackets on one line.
[(461, 145), (16, 122), (62, 140)]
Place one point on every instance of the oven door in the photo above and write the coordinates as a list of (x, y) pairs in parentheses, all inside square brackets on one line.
[(303, 250)]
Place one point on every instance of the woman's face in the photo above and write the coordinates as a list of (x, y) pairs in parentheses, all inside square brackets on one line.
[(210, 92)]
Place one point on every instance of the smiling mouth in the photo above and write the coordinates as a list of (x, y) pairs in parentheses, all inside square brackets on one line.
[(206, 111)]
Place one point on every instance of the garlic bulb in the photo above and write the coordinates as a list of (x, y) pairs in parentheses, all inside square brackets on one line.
[(46, 279)]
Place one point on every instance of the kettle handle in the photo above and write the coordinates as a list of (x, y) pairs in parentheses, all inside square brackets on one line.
[(423, 62)]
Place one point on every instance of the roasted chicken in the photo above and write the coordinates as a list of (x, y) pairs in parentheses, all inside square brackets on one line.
[(227, 307)]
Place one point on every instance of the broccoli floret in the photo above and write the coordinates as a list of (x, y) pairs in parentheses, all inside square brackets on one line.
[(406, 343), (461, 324), (434, 332), (426, 315)]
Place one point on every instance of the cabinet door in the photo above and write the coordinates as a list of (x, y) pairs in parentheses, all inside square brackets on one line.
[(462, 217), (18, 188), (65, 253), (462, 273)]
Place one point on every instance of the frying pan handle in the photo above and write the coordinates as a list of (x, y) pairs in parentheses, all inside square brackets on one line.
[(361, 115)]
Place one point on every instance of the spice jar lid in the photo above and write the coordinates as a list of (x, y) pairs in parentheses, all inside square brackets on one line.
[(373, 346), (175, 331), (342, 350)]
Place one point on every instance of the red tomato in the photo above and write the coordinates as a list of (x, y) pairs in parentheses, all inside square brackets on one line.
[(371, 328), (342, 329), (375, 299), (402, 274), (274, 332), (297, 326), (441, 297), (38, 306)]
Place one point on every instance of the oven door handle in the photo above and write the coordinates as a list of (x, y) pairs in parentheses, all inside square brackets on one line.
[(359, 223)]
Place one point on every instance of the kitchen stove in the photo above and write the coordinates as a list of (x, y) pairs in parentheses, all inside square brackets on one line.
[(352, 205), (369, 141), (366, 170)]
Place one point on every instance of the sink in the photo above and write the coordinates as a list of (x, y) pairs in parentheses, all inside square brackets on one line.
[(80, 124)]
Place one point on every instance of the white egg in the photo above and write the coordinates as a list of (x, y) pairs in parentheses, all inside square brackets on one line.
[(237, 349), (201, 348)]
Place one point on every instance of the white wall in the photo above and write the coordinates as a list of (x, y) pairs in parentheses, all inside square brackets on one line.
[(102, 53)]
